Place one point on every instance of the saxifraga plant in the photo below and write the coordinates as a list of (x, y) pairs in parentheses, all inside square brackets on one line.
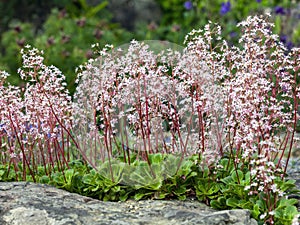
[(215, 100), (34, 121), (235, 109)]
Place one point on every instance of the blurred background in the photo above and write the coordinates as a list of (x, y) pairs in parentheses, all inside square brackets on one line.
[(66, 29)]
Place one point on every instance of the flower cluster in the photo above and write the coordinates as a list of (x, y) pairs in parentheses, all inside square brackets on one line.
[(262, 104), (34, 121), (209, 99)]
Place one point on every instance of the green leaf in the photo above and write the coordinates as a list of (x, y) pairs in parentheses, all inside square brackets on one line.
[(245, 204), (220, 203), (255, 211), (247, 178), (287, 202), (69, 175), (185, 168), (237, 175), (232, 202), (155, 158), (89, 178), (83, 4), (112, 172), (2, 172), (138, 196), (160, 195), (226, 164), (290, 211), (94, 10), (141, 194), (171, 164), (96, 188), (216, 204), (206, 189), (206, 172), (262, 204), (58, 178), (44, 179), (227, 180), (147, 177), (93, 182), (181, 197), (279, 213), (124, 195), (286, 185), (286, 215), (180, 190)]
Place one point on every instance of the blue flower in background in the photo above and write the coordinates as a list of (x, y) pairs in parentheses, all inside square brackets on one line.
[(279, 10), (288, 44), (283, 39), (188, 5), (232, 34), (225, 8), (259, 1)]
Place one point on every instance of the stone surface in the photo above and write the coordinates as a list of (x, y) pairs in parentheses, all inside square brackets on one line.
[(131, 12), (37, 204)]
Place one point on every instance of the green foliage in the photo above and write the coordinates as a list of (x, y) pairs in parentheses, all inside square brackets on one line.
[(180, 174), (177, 20), (286, 211), (32, 10), (81, 8), (66, 40), (7, 173), (66, 35), (234, 195), (167, 176), (206, 189)]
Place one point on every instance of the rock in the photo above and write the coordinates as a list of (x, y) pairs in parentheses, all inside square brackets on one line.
[(36, 204), (131, 12)]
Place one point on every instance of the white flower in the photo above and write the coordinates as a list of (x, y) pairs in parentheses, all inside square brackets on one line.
[(262, 216)]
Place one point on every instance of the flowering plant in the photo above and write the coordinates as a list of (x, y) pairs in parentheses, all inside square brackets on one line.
[(213, 100), (214, 120), (35, 120)]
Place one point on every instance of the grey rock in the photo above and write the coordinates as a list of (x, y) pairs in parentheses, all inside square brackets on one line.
[(36, 204), (131, 12)]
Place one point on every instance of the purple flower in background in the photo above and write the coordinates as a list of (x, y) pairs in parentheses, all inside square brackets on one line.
[(188, 5), (289, 45), (286, 42), (259, 1), (225, 8), (232, 34), (283, 39), (279, 10)]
